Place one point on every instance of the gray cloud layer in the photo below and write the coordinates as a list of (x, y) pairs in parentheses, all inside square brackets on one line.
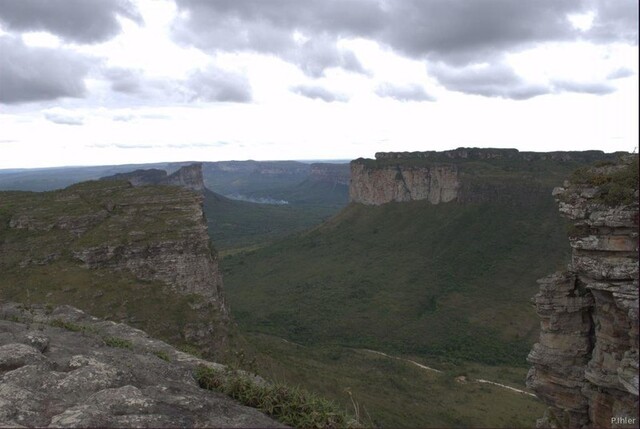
[(213, 84), (454, 33), (36, 74), (78, 21)]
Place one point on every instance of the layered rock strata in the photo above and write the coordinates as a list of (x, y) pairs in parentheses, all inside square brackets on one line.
[(374, 186), (464, 175), (153, 239), (585, 365), (63, 368), (189, 177)]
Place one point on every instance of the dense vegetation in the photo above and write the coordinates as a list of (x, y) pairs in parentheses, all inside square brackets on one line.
[(236, 224), (445, 281)]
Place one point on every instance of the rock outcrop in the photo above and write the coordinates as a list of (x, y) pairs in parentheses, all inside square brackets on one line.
[(189, 177), (152, 241), (63, 368), (379, 185), (585, 365), (464, 175)]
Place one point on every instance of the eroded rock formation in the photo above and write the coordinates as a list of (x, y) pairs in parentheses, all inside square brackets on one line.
[(151, 241), (63, 368), (189, 177), (585, 365), (379, 185), (465, 175)]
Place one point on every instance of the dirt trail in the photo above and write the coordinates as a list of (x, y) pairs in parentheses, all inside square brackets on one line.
[(479, 380)]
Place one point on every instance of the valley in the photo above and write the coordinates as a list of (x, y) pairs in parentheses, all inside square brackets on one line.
[(408, 306)]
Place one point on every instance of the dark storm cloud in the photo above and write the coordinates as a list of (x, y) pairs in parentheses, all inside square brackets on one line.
[(37, 74), (320, 53), (213, 84), (615, 20), (455, 31), (411, 92), (78, 21), (317, 92), (452, 34), (488, 80)]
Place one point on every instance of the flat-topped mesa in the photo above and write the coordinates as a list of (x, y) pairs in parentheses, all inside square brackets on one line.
[(463, 175), (189, 177), (585, 365), (463, 153)]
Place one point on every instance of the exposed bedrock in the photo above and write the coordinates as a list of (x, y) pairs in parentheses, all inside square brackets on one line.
[(585, 365)]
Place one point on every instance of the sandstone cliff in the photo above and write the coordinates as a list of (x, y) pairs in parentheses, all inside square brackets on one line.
[(465, 175), (585, 365), (189, 177), (60, 367), (135, 254), (438, 183)]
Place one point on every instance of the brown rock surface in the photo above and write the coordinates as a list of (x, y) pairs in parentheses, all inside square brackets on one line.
[(585, 365)]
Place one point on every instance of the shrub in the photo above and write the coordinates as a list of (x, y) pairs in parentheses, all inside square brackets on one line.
[(290, 405), (118, 342), (162, 355)]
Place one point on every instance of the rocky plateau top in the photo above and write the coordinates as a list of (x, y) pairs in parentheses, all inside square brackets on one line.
[(60, 367)]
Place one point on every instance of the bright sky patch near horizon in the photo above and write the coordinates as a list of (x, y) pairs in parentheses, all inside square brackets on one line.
[(136, 81)]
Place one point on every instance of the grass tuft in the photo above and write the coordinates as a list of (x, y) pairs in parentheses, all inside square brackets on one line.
[(118, 342), (290, 405)]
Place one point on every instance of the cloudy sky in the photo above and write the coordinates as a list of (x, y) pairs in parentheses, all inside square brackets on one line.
[(89, 82)]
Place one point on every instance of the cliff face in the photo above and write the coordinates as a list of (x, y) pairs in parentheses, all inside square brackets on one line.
[(465, 175), (136, 254), (60, 367), (585, 365), (376, 186), (188, 177)]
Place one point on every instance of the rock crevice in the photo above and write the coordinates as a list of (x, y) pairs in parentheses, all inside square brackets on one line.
[(585, 365)]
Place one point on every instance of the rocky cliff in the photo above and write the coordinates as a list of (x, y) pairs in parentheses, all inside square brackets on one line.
[(334, 174), (585, 365), (60, 367), (463, 175), (136, 254), (189, 177)]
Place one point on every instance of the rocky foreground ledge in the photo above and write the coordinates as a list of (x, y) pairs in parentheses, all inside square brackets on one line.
[(60, 367)]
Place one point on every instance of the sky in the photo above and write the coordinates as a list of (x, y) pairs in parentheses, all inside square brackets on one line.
[(134, 81)]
